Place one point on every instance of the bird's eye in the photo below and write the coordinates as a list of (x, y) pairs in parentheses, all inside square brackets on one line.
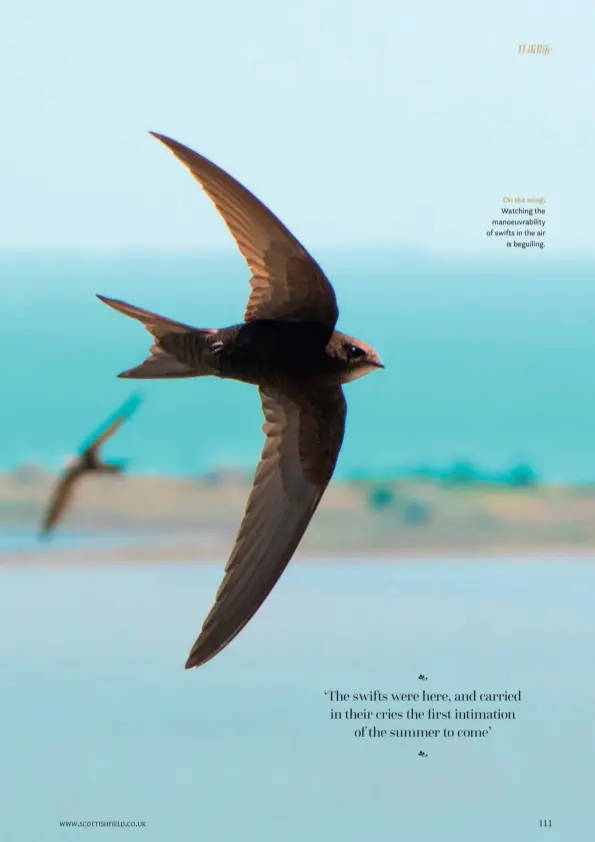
[(353, 352)]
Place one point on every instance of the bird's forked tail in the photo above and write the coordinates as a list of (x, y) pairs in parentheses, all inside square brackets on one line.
[(163, 363)]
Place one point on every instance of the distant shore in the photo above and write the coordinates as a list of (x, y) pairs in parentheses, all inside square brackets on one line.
[(159, 519), (82, 559)]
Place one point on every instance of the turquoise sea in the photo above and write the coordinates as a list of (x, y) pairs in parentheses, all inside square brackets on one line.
[(100, 722), (491, 362)]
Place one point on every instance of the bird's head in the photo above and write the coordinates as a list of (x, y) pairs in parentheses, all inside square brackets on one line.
[(356, 358)]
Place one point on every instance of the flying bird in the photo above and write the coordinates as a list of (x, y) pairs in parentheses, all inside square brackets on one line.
[(87, 462), (288, 347)]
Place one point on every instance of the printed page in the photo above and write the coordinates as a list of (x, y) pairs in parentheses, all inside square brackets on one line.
[(297, 518)]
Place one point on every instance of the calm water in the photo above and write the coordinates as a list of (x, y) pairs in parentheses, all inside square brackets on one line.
[(21, 540), (99, 720), (488, 361), (15, 539)]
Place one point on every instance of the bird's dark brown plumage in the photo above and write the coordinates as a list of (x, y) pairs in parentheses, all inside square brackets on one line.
[(288, 485), (87, 462), (287, 283), (288, 347)]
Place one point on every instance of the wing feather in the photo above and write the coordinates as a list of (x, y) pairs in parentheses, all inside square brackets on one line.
[(304, 434), (60, 500), (111, 426), (287, 283)]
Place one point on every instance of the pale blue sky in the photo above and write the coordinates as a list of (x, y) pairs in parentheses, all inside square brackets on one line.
[(358, 122)]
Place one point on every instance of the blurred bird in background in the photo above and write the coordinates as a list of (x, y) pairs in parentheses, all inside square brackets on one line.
[(86, 463)]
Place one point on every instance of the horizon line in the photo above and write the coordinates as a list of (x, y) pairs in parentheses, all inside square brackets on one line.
[(328, 249)]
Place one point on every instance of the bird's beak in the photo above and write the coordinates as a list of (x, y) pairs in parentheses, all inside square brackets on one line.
[(378, 363)]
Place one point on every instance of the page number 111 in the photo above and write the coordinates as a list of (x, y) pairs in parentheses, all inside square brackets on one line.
[(545, 822)]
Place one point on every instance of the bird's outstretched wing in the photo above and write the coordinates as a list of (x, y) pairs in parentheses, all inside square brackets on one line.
[(287, 283), (61, 497), (304, 434), (111, 426)]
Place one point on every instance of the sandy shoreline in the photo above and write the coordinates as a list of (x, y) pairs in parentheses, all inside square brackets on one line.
[(149, 556), (160, 520)]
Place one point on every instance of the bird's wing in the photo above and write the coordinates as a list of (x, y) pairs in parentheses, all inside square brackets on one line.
[(286, 281), (304, 434), (111, 426), (60, 499)]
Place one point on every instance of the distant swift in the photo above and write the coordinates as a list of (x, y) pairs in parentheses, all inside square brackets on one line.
[(288, 347), (85, 463)]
